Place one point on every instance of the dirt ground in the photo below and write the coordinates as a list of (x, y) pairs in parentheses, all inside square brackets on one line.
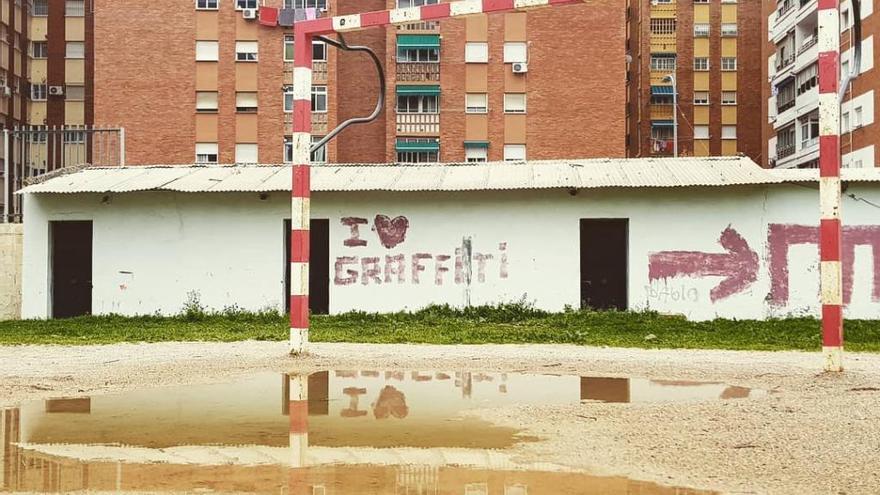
[(816, 433)]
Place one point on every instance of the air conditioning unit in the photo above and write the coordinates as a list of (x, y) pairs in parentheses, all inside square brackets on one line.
[(520, 68), (56, 90), (249, 13)]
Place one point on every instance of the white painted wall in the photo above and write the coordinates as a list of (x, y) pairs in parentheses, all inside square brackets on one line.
[(10, 270), (228, 247)]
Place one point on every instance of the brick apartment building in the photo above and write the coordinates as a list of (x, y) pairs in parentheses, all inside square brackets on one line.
[(712, 49), (791, 93), (194, 80), (14, 62)]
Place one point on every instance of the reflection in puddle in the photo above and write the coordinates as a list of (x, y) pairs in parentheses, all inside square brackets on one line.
[(342, 432)]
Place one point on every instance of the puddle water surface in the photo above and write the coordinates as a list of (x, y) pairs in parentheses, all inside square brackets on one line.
[(338, 432)]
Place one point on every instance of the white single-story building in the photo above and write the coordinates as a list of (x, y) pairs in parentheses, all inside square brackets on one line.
[(703, 237)]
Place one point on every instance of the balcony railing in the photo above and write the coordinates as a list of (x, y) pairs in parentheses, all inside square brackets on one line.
[(785, 151), (319, 70), (808, 44), (809, 143), (783, 106), (782, 64), (661, 112), (420, 26), (418, 72), (319, 123), (418, 123)]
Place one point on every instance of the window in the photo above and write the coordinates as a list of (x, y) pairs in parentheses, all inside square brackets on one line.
[(810, 131), (514, 103), (728, 97), (414, 3), (246, 51), (207, 4), (39, 49), (701, 30), (785, 145), (514, 152), (515, 52), (207, 51), (844, 19), (38, 92), (418, 55), (728, 63), (728, 30), (246, 153), (476, 53), (728, 132), (701, 63), (844, 67), (75, 93), (701, 97), (476, 153), (857, 118), (206, 101), (661, 99), (288, 48), (417, 156), (245, 101), (319, 99), (206, 152), (305, 4), (319, 51), (317, 156), (476, 103), (701, 132), (662, 26), (844, 122), (74, 8), (807, 79), (662, 62), (701, 1), (41, 8), (418, 103), (246, 4), (320, 154), (74, 137), (288, 99), (785, 96), (75, 49)]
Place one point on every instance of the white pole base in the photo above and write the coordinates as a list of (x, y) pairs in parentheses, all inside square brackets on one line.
[(299, 341), (833, 357)]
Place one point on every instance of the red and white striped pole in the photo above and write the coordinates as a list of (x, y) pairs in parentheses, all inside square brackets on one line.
[(830, 271), (299, 435), (300, 193)]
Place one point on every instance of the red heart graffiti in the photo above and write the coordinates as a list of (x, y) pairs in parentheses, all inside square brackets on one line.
[(391, 232)]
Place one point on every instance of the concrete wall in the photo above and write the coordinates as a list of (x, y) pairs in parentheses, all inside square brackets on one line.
[(10, 270), (738, 252)]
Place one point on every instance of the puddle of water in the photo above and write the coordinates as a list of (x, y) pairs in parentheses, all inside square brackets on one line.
[(341, 432)]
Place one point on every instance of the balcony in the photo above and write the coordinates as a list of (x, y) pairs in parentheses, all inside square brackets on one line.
[(418, 124), (429, 26), (661, 112), (663, 43), (785, 151), (784, 9), (418, 72)]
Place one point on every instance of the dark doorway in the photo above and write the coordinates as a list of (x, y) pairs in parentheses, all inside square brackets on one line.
[(319, 266), (604, 246), (71, 251)]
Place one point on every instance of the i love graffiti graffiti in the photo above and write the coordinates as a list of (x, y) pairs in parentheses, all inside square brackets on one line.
[(393, 268)]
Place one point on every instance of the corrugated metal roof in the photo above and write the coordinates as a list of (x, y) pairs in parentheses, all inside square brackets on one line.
[(812, 174), (580, 174)]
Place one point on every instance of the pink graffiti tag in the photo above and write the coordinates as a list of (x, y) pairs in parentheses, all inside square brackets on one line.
[(738, 266), (355, 236), (391, 232), (782, 236)]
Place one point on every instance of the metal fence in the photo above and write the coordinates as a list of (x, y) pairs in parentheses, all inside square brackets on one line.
[(32, 151)]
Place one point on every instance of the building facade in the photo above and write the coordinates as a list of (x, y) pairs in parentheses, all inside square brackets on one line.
[(791, 89), (711, 50), (513, 86)]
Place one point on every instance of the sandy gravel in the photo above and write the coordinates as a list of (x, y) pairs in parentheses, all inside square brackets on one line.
[(816, 433)]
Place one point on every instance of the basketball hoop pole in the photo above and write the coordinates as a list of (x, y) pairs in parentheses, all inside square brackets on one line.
[(304, 33)]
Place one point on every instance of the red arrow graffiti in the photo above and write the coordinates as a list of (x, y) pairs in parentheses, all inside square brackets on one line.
[(738, 266)]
